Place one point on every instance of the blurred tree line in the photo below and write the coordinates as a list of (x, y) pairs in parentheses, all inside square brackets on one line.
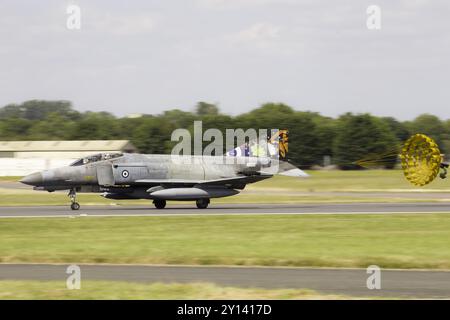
[(312, 136)]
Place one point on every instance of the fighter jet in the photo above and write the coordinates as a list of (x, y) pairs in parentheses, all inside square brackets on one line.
[(164, 177)]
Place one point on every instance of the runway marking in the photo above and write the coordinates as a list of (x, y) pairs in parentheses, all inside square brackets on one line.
[(84, 215)]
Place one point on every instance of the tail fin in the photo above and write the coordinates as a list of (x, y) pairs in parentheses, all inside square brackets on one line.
[(280, 142), (274, 146)]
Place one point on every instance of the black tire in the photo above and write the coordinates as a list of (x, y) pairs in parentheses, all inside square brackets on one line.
[(202, 203), (159, 204), (75, 206)]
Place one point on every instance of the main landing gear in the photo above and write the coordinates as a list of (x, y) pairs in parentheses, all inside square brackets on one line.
[(202, 203), (159, 204), (73, 199)]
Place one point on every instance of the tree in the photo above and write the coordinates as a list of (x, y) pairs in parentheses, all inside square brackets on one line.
[(363, 136), (96, 125), (15, 128), (325, 133), (39, 110), (400, 130), (204, 108), (179, 118), (304, 146), (153, 135), (430, 125), (54, 127)]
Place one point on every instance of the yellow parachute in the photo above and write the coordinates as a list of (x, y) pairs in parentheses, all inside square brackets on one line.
[(421, 159)]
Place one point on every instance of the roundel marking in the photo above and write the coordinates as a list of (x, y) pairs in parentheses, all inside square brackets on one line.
[(125, 173)]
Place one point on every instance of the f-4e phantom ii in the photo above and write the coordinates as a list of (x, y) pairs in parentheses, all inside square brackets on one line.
[(165, 177)]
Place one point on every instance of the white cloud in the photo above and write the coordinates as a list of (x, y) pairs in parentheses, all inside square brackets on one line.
[(415, 3), (218, 4), (124, 24), (266, 39), (257, 32)]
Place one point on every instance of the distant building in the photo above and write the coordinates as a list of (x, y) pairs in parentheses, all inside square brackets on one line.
[(18, 158), (62, 149)]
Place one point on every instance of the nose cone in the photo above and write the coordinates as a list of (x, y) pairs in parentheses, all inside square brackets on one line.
[(33, 179)]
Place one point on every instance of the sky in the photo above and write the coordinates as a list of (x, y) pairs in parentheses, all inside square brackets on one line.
[(150, 56)]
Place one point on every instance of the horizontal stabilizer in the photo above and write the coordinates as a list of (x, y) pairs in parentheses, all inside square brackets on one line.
[(288, 169), (295, 173)]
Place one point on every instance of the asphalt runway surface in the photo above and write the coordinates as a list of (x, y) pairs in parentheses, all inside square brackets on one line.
[(352, 282), (220, 209)]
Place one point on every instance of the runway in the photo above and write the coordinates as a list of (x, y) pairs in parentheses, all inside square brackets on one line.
[(221, 209), (352, 282)]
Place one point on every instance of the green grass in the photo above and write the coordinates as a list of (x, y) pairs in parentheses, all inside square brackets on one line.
[(10, 178), (390, 241), (105, 290)]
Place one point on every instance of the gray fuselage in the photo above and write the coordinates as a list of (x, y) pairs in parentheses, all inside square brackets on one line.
[(137, 176)]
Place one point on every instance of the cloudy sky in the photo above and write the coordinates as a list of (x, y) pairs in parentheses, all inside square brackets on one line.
[(150, 56)]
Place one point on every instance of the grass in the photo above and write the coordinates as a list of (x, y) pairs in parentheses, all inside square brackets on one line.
[(389, 241), (10, 178), (105, 290)]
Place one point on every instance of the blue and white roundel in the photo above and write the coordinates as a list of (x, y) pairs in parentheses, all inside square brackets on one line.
[(125, 173)]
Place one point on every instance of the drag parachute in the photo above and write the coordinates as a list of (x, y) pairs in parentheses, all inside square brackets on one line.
[(421, 159)]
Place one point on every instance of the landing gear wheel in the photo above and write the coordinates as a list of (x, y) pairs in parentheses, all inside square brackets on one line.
[(159, 204), (73, 199), (75, 206), (202, 203)]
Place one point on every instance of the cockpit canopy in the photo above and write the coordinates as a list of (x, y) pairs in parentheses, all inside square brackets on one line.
[(95, 158)]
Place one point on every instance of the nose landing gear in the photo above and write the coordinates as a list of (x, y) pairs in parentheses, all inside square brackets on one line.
[(73, 199)]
